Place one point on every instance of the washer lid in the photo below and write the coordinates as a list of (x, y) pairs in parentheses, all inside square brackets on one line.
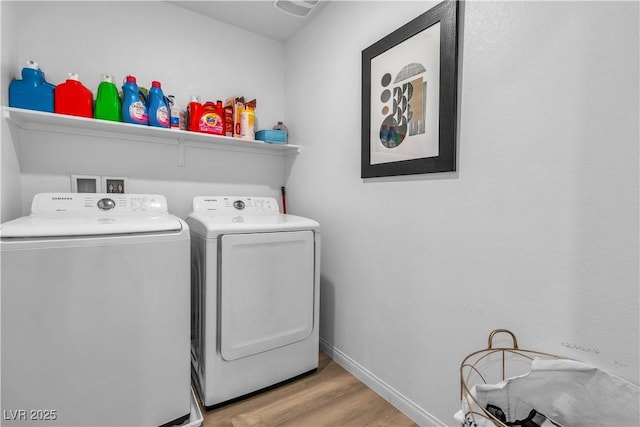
[(212, 226), (90, 214), (34, 226)]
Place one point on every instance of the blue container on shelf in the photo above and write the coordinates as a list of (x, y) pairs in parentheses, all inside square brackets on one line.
[(159, 114), (32, 92), (134, 104), (272, 136)]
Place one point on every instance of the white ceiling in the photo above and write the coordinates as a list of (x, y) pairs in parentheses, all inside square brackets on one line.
[(258, 16)]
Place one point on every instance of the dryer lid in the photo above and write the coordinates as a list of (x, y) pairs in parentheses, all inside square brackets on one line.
[(217, 215), (212, 226), (90, 214)]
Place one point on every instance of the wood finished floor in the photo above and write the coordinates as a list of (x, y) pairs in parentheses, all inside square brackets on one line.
[(329, 397)]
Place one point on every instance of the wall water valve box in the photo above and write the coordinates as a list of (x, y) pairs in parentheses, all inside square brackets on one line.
[(272, 136)]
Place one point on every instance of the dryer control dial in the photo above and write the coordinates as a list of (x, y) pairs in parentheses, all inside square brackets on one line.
[(239, 204)]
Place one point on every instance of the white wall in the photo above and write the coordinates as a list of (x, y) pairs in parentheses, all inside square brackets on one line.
[(188, 53), (536, 232), (10, 187)]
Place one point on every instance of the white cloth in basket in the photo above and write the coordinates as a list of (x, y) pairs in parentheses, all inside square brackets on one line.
[(567, 392)]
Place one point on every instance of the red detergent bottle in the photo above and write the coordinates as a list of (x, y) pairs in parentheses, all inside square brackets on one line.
[(73, 98), (211, 118), (194, 112)]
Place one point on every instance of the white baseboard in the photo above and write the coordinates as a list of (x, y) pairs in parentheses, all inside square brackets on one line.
[(388, 393)]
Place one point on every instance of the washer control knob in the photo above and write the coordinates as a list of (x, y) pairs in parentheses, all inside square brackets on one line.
[(238, 204), (106, 204)]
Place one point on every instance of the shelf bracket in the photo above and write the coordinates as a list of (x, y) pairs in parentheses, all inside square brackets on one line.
[(181, 153)]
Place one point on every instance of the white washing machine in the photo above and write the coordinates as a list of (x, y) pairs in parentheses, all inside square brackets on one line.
[(255, 291), (95, 313)]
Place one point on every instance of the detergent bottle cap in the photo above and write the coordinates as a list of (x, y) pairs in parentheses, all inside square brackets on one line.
[(195, 98), (108, 78), (73, 76), (32, 64), (155, 84), (130, 79)]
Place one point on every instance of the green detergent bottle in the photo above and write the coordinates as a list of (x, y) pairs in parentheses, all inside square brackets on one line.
[(108, 101)]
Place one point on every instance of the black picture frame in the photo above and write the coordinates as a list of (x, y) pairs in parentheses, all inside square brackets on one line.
[(433, 150)]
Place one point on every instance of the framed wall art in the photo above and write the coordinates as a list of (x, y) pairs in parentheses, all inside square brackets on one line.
[(409, 97)]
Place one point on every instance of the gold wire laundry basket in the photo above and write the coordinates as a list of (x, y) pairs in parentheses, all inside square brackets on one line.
[(490, 366)]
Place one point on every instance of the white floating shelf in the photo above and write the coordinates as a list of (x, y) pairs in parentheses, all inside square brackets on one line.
[(60, 123)]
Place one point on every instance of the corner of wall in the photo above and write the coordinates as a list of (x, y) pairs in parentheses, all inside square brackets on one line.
[(383, 389), (10, 188)]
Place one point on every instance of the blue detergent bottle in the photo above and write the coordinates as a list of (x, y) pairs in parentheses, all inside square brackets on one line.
[(134, 105), (159, 114), (32, 92)]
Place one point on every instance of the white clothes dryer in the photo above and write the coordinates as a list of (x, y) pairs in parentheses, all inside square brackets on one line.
[(95, 313), (255, 291)]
